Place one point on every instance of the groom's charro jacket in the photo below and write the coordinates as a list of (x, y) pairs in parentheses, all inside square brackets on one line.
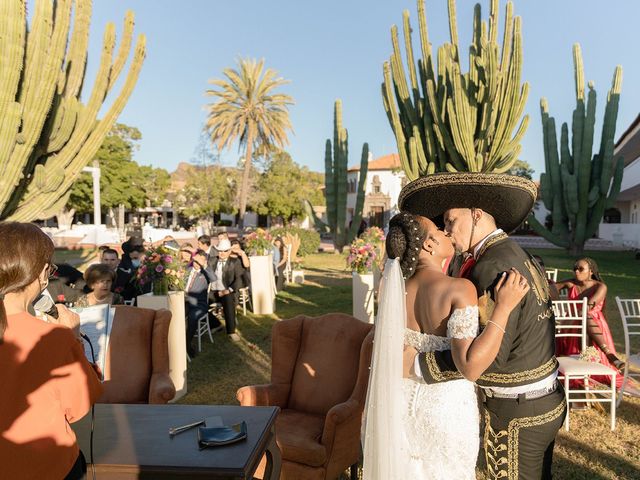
[(526, 354)]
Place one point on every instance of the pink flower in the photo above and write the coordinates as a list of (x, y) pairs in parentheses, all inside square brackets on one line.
[(168, 258), (159, 268)]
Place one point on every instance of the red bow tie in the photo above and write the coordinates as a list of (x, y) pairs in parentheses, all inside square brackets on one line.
[(466, 267)]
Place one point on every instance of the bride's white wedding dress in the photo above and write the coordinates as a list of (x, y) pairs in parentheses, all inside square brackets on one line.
[(413, 430), (441, 421)]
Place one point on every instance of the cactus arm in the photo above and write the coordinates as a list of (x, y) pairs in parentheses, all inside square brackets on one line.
[(546, 234), (357, 213)]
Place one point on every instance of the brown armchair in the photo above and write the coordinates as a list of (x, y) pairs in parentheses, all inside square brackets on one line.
[(319, 376), (137, 363)]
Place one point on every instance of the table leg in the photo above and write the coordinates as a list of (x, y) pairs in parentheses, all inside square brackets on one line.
[(274, 459)]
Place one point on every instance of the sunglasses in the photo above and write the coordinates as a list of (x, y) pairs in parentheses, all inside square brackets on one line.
[(579, 269)]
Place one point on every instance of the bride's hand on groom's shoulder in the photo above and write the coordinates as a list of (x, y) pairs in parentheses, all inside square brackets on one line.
[(511, 289), (409, 357)]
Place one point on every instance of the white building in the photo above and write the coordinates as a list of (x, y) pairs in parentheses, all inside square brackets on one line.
[(385, 179), (622, 223)]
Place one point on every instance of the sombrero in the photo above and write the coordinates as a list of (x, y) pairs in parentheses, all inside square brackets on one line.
[(508, 198)]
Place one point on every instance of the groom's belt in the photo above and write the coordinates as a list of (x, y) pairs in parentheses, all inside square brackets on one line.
[(529, 395)]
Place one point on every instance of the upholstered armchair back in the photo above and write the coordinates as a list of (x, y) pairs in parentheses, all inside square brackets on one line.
[(137, 363), (319, 358)]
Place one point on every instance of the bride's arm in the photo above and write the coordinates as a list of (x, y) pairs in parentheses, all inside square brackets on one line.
[(471, 355)]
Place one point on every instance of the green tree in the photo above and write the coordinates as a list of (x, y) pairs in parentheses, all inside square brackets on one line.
[(521, 169), (154, 182), (285, 186), (246, 109), (121, 181), (208, 190)]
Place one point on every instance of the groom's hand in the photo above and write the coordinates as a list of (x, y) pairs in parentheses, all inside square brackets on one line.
[(409, 358)]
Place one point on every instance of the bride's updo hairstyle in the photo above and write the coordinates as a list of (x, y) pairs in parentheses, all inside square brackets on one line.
[(404, 241)]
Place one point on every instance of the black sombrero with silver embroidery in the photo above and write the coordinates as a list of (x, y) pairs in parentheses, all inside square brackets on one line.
[(508, 198)]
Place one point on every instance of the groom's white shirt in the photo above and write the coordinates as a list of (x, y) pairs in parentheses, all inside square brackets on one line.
[(539, 385)]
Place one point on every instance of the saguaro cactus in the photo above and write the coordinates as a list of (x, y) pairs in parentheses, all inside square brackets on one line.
[(46, 134), (446, 120), (336, 160), (576, 186)]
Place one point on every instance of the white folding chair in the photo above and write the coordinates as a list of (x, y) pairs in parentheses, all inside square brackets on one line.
[(552, 274), (244, 297), (203, 327), (630, 313), (571, 321), (287, 268)]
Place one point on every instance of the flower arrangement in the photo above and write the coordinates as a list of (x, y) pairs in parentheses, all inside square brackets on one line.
[(590, 354), (259, 242), (162, 269), (373, 235), (362, 256)]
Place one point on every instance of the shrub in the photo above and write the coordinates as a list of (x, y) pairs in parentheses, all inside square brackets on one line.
[(309, 239)]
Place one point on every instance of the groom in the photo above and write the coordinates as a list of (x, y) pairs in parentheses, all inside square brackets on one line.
[(524, 405)]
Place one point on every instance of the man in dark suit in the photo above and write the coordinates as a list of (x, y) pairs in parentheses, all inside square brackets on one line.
[(196, 295), (227, 280)]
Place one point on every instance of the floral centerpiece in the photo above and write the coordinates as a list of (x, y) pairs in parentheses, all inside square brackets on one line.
[(161, 268), (375, 236), (259, 242), (362, 256)]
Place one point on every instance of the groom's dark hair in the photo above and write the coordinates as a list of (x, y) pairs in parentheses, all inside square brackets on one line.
[(404, 241)]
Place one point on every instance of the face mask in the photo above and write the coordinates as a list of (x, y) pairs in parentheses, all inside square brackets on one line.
[(135, 263)]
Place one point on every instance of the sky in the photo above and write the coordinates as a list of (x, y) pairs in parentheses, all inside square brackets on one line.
[(335, 49)]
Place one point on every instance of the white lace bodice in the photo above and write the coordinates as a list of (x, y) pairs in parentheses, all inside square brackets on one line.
[(463, 323)]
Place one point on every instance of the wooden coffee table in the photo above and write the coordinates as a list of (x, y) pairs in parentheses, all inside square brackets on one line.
[(132, 442)]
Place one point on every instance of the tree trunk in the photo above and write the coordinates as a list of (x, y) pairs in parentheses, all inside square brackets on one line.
[(576, 250), (244, 187)]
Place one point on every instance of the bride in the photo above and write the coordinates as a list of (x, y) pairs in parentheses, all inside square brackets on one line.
[(413, 430)]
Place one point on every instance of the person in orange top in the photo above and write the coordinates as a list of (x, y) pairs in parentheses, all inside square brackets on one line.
[(45, 379)]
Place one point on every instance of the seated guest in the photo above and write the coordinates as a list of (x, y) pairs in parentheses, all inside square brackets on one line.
[(110, 258), (47, 380), (125, 282), (228, 275), (99, 278), (204, 244), (587, 282), (196, 293), (239, 253), (66, 285)]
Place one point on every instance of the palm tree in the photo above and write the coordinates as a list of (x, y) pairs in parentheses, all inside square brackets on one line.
[(246, 109)]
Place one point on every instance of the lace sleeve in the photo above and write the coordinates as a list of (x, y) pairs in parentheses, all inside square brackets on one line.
[(463, 323)]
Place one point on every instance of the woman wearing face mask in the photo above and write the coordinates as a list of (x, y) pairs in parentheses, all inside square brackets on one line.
[(46, 379), (124, 283), (586, 282)]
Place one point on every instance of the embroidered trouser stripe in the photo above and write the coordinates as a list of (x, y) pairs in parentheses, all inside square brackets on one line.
[(510, 453)]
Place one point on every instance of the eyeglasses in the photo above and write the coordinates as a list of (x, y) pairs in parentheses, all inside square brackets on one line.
[(53, 268)]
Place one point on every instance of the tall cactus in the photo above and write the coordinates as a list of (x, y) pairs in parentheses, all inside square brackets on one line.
[(446, 120), (576, 186), (46, 134), (336, 160)]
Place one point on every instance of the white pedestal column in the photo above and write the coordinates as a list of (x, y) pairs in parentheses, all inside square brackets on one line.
[(363, 296), (173, 302), (263, 287)]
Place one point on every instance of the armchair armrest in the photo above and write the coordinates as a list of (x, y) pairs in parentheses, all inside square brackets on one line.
[(340, 416), (161, 388), (264, 395)]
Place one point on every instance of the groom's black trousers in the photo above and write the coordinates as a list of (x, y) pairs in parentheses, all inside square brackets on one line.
[(519, 435)]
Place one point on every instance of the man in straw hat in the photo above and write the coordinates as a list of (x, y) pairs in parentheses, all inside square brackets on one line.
[(524, 404)]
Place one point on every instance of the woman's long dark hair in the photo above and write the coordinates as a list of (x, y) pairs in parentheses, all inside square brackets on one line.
[(26, 249), (404, 241)]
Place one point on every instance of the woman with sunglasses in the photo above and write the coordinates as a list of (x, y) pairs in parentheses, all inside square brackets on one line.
[(587, 282), (47, 382)]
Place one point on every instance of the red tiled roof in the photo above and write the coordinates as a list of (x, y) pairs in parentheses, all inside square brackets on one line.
[(388, 162)]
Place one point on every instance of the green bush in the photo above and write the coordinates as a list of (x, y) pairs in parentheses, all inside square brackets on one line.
[(224, 223), (309, 239)]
